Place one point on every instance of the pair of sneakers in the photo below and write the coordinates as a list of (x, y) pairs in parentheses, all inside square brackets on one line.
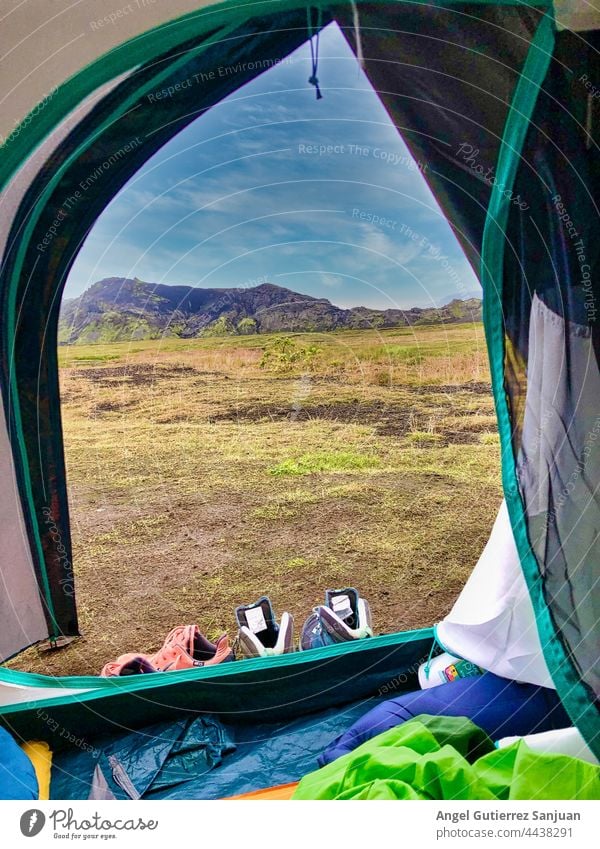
[(345, 616), (184, 648)]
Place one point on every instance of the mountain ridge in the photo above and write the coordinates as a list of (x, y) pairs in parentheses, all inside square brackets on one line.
[(120, 309)]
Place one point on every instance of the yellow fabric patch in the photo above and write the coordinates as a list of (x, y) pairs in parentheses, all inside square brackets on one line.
[(40, 755)]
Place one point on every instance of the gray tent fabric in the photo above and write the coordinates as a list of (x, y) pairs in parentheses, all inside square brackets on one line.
[(22, 619), (25, 612), (559, 470), (65, 38)]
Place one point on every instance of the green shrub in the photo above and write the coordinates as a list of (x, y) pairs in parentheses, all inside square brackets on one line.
[(283, 355), (221, 327), (247, 327)]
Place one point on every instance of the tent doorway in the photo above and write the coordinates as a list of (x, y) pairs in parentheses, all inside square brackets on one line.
[(267, 440)]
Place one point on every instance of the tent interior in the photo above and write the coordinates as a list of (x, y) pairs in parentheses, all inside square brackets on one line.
[(507, 80)]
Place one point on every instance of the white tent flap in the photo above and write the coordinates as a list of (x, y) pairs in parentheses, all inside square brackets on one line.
[(492, 622)]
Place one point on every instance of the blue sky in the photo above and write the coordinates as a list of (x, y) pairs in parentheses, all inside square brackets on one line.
[(273, 185)]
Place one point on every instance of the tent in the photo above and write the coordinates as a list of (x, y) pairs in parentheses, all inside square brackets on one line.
[(501, 100)]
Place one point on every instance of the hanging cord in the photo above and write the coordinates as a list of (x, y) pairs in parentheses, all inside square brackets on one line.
[(314, 48), (430, 658), (357, 37)]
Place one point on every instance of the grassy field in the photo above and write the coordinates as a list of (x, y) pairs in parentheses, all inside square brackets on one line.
[(203, 473)]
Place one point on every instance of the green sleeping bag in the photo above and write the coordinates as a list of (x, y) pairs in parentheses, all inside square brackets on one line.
[(437, 757)]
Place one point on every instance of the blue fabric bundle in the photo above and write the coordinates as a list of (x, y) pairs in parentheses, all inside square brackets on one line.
[(17, 775)]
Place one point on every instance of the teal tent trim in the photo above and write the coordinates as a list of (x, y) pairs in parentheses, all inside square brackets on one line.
[(249, 690), (572, 691), (134, 683)]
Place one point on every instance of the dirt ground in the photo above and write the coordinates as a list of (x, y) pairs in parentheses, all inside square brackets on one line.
[(199, 481)]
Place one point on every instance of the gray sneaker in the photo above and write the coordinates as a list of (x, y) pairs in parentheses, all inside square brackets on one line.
[(345, 616), (260, 635)]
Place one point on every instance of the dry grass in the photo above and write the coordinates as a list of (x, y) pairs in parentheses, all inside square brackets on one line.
[(199, 480)]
